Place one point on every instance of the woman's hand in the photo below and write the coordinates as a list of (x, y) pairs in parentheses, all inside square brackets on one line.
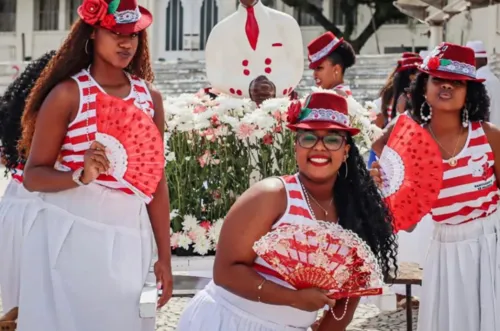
[(163, 273), (312, 299), (95, 162), (376, 173)]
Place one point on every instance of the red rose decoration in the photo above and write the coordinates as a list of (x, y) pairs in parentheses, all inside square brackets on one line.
[(93, 11), (293, 113), (109, 21), (433, 63)]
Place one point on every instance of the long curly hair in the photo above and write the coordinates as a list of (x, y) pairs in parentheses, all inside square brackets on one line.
[(386, 93), (477, 100), (12, 106), (74, 55), (402, 81), (360, 208)]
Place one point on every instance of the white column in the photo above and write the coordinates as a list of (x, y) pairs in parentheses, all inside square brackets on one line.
[(151, 5), (226, 8), (436, 36), (158, 47), (62, 16), (24, 25), (191, 26)]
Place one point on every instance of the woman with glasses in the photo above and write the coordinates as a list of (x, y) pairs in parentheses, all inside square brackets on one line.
[(332, 184)]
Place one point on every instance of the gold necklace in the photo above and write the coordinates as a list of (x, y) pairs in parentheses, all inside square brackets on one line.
[(452, 161), (316, 201)]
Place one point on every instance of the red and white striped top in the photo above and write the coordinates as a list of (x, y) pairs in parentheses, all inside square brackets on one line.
[(297, 212), (469, 189), (76, 141), (17, 173), (344, 88)]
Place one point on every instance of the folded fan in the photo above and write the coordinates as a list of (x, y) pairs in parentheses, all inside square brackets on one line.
[(134, 145), (323, 255), (412, 173)]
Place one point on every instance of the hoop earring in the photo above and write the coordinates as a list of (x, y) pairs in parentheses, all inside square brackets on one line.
[(346, 169), (424, 118), (465, 117), (86, 47)]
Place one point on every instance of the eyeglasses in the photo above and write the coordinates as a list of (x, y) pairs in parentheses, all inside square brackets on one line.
[(332, 141)]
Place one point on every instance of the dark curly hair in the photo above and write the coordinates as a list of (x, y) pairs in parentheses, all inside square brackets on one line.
[(360, 208), (12, 106), (477, 100), (401, 82), (344, 55), (74, 55)]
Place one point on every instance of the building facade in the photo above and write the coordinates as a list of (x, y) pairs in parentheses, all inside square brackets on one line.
[(28, 28)]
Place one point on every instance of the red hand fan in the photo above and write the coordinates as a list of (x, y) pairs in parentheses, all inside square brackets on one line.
[(412, 173), (323, 255), (134, 146)]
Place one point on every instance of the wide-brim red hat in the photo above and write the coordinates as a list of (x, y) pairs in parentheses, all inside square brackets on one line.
[(321, 111), (321, 47), (452, 62), (119, 16)]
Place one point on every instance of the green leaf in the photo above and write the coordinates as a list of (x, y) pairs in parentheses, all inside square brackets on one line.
[(304, 113), (113, 6)]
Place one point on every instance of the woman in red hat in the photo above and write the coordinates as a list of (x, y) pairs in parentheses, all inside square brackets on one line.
[(332, 184), (461, 274), (88, 250), (329, 57)]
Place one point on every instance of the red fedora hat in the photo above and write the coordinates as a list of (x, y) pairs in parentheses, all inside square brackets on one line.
[(120, 16), (406, 55), (451, 61), (321, 111), (321, 47), (409, 63)]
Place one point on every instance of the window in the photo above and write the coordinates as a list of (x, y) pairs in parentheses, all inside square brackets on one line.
[(402, 20), (174, 25), (208, 18), (7, 15), (304, 19), (71, 14), (46, 15)]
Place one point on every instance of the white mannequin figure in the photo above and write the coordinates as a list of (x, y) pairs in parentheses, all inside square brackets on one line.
[(234, 59)]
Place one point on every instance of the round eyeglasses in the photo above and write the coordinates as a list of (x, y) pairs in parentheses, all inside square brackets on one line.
[(332, 141)]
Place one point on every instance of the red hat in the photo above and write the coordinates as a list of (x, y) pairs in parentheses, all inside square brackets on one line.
[(321, 111), (406, 55), (409, 63), (321, 47), (451, 61), (120, 16)]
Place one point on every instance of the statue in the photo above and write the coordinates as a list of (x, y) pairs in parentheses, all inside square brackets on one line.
[(256, 53)]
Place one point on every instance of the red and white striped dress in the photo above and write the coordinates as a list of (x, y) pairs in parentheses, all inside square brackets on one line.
[(81, 132), (469, 189), (297, 212)]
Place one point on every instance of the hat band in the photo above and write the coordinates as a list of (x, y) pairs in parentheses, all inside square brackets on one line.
[(326, 115), (451, 66), (127, 16), (324, 51)]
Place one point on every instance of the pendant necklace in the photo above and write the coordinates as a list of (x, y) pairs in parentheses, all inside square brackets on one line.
[(452, 161)]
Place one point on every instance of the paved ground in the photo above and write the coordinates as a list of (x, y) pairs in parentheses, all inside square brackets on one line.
[(367, 318)]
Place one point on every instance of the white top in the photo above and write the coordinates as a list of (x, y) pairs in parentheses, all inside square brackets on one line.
[(492, 85), (478, 48)]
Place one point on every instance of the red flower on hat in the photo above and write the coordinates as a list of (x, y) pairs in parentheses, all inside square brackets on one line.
[(108, 21), (293, 112), (93, 11), (433, 63)]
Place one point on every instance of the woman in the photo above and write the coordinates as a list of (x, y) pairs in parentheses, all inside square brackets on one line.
[(16, 205), (461, 274), (88, 251), (333, 185), (329, 57)]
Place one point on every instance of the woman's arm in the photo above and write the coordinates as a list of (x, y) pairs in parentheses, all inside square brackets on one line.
[(251, 217), (56, 112), (329, 323), (493, 134)]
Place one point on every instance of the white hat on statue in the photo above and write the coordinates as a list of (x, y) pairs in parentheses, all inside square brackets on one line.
[(478, 47), (423, 54)]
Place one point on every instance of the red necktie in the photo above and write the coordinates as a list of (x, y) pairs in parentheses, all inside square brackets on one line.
[(252, 28)]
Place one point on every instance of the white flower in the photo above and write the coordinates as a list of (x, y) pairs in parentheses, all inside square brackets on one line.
[(174, 213), (183, 240), (214, 231), (170, 157), (202, 246), (174, 240), (190, 222)]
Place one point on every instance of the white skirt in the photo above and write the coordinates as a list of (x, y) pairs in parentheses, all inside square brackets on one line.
[(215, 309), (461, 284), (18, 209), (84, 263)]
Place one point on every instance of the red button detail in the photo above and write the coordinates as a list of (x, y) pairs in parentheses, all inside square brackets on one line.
[(267, 70), (285, 91), (268, 61), (231, 90), (239, 92), (246, 72), (244, 63)]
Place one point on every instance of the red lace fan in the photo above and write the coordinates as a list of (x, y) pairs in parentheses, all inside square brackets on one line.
[(134, 146), (323, 255), (412, 173)]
